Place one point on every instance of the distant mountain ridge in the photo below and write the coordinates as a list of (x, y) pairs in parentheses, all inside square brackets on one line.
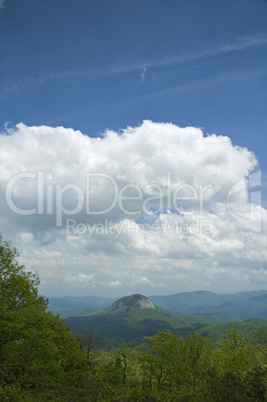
[(241, 306), (72, 302)]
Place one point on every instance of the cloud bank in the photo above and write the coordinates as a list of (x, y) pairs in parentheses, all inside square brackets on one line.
[(154, 208)]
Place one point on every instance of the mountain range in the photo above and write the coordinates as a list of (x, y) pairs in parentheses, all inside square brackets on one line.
[(241, 306), (136, 316)]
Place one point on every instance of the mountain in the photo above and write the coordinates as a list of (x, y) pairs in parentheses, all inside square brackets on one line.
[(242, 305), (134, 317)]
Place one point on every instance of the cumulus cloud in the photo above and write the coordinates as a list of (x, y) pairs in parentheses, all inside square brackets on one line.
[(153, 207)]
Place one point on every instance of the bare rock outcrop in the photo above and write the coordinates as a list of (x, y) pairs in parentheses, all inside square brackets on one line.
[(135, 301)]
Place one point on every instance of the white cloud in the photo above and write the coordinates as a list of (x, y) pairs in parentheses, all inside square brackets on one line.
[(143, 72), (83, 279), (167, 227), (112, 283), (2, 3)]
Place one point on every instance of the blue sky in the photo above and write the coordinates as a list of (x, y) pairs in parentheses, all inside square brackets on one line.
[(80, 64), (100, 64)]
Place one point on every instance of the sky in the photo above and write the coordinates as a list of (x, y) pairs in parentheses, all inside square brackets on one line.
[(133, 144)]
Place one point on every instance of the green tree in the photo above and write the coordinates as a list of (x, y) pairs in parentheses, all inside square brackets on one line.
[(117, 372), (238, 356), (176, 366), (239, 373), (91, 342), (37, 351)]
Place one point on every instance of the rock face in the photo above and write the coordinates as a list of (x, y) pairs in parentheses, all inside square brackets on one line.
[(134, 301)]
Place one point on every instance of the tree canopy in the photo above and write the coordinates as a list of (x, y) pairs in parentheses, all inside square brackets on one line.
[(37, 350)]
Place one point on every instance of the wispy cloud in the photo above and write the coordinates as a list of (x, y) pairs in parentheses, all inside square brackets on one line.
[(239, 44), (143, 72), (142, 65), (42, 78), (124, 67), (2, 3), (232, 75)]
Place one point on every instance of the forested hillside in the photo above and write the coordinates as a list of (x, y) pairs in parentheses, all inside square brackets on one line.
[(131, 323)]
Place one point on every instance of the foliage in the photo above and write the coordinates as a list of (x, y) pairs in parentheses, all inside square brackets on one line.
[(37, 350), (252, 330)]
